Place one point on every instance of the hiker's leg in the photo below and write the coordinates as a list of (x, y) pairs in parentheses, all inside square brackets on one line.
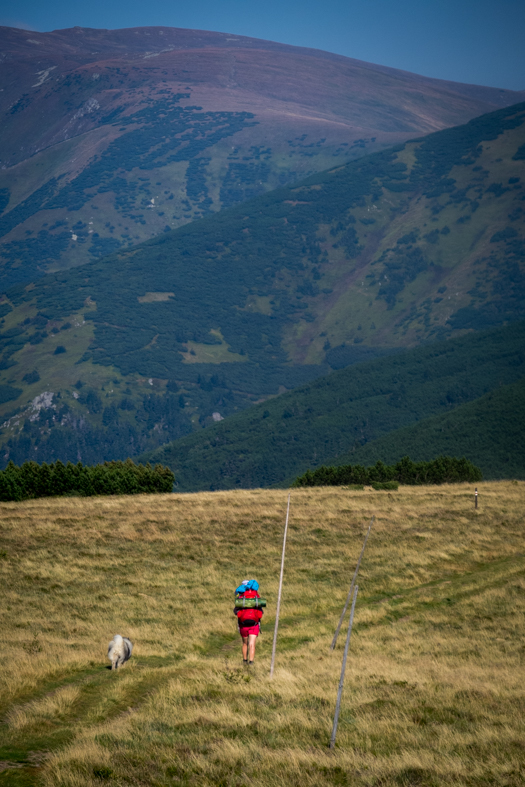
[(252, 639), (245, 648)]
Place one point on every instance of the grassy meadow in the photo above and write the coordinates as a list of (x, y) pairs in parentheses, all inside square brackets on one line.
[(434, 685)]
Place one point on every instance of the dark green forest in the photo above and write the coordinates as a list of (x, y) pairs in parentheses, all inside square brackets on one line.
[(61, 434), (32, 480), (490, 431), (335, 417), (442, 470)]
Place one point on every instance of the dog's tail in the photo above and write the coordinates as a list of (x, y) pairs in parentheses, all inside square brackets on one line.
[(127, 650)]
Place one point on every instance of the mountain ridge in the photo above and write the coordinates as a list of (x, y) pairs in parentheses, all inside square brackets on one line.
[(83, 109)]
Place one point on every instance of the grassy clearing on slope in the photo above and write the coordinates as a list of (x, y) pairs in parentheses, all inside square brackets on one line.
[(433, 692)]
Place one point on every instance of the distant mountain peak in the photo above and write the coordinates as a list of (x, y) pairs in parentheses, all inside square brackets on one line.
[(80, 105)]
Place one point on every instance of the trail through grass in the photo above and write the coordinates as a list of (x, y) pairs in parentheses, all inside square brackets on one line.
[(433, 692)]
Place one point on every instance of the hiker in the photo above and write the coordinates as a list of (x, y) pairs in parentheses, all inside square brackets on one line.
[(248, 619)]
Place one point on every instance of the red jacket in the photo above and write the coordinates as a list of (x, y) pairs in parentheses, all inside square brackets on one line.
[(248, 617)]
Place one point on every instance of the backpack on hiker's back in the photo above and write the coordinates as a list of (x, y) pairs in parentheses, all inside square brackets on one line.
[(248, 603)]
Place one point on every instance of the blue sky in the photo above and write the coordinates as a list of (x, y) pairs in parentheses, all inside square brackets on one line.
[(478, 42)]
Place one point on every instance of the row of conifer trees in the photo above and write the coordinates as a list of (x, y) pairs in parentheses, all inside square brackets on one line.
[(56, 479), (443, 470)]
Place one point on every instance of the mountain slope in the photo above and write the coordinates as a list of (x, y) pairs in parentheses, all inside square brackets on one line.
[(398, 248), (489, 431), (110, 137), (322, 422)]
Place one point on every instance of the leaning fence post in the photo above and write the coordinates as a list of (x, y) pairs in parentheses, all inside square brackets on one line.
[(280, 591), (343, 668), (343, 613)]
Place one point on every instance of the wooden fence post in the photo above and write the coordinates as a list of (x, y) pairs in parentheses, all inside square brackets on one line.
[(476, 498), (280, 591), (343, 613), (343, 668)]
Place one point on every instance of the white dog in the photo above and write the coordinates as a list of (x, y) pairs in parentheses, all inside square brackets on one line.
[(119, 650)]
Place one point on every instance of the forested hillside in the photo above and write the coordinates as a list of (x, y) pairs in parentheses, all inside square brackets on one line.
[(333, 420), (109, 137), (489, 431), (399, 248)]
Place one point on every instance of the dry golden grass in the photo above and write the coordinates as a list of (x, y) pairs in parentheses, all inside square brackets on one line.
[(433, 691)]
